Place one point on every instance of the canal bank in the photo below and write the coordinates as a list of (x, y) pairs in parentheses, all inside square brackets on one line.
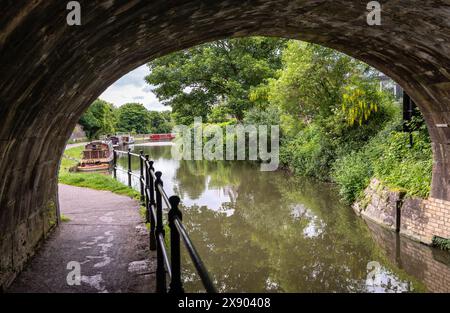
[(413, 217)]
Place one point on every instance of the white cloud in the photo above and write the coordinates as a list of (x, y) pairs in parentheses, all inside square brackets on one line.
[(133, 88)]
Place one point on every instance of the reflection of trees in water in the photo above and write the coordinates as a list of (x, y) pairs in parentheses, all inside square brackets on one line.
[(159, 152), (263, 246), (225, 254), (193, 177), (285, 234), (155, 153)]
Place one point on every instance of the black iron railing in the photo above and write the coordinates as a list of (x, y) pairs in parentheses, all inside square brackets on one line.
[(154, 198)]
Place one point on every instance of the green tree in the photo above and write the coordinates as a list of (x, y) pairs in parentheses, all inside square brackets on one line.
[(330, 105), (160, 122), (133, 117), (99, 119), (315, 79), (222, 72)]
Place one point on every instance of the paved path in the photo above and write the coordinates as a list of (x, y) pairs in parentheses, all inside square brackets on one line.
[(105, 235), (73, 145)]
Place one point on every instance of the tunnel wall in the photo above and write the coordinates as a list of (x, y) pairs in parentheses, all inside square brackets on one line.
[(51, 72)]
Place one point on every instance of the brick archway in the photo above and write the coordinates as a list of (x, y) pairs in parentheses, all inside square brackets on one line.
[(51, 72)]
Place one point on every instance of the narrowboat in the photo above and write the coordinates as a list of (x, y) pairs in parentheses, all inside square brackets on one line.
[(126, 139), (97, 156), (115, 140), (162, 137)]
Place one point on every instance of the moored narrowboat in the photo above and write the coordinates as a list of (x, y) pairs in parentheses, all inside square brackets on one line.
[(115, 140), (97, 156), (127, 139), (161, 137)]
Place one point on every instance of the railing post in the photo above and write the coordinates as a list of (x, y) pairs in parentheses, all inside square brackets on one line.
[(150, 201), (152, 185), (129, 167), (160, 271), (176, 286), (115, 163), (141, 178)]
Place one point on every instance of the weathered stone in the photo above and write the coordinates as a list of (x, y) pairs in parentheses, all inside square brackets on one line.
[(380, 204), (51, 72), (419, 219)]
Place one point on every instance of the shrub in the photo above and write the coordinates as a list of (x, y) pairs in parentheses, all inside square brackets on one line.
[(309, 154), (389, 158), (441, 243), (352, 173)]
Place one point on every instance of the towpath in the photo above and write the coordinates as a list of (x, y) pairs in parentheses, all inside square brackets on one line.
[(105, 237)]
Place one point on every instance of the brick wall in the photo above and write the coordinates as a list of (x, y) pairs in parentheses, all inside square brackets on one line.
[(430, 265), (438, 214), (423, 219)]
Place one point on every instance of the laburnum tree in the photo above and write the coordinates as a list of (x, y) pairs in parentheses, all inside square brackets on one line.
[(317, 83)]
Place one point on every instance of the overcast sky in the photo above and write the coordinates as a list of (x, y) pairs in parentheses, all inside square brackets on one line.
[(133, 88)]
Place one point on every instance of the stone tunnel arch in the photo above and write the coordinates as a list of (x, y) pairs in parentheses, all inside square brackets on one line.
[(51, 72)]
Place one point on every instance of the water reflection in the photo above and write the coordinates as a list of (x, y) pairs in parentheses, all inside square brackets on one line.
[(268, 232)]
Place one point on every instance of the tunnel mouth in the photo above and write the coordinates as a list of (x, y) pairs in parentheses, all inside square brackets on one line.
[(64, 68)]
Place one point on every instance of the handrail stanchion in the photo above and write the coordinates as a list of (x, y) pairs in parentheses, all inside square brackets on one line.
[(141, 178), (160, 271), (115, 163), (176, 285), (147, 199), (129, 167), (152, 184), (150, 202)]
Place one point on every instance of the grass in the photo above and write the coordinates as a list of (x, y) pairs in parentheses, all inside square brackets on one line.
[(64, 218), (95, 181)]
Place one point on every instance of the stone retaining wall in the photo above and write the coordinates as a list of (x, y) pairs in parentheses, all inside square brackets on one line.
[(418, 219)]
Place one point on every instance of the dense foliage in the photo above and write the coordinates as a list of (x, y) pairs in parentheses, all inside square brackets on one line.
[(102, 119), (388, 157), (341, 127), (133, 118), (160, 122), (338, 125), (221, 73), (99, 119)]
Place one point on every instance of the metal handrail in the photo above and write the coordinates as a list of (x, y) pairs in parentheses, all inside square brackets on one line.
[(161, 190), (166, 258), (135, 175), (195, 257), (153, 195)]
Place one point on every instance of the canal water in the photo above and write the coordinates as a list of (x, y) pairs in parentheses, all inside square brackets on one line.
[(271, 232)]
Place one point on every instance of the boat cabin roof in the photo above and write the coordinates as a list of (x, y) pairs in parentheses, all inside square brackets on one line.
[(99, 145)]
